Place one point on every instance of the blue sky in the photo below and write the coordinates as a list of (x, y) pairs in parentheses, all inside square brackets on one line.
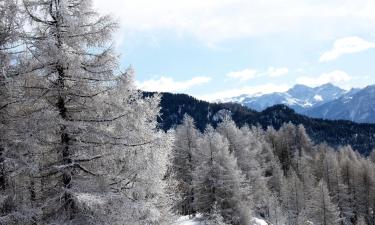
[(217, 49)]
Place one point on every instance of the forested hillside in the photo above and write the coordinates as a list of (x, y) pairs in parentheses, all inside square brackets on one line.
[(334, 132), (230, 174)]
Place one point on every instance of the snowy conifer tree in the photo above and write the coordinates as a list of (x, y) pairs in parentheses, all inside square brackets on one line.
[(215, 218), (320, 208), (275, 214), (245, 144), (219, 181), (365, 185), (184, 162), (293, 197), (8, 39), (13, 208), (99, 157)]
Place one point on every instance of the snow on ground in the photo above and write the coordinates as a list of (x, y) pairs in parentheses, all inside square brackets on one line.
[(257, 221), (188, 220)]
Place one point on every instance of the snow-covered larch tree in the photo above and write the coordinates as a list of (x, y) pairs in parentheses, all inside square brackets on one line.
[(140, 156), (9, 26), (218, 181), (99, 156), (292, 192), (348, 163), (320, 208), (13, 209), (275, 214), (7, 12), (185, 150), (247, 147), (215, 218)]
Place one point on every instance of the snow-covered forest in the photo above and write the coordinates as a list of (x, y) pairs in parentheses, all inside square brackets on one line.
[(80, 145), (232, 174)]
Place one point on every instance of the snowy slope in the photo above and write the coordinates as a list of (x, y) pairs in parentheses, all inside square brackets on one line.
[(187, 220), (257, 221)]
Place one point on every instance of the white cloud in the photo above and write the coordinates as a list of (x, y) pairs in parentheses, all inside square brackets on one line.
[(219, 20), (168, 84), (242, 75), (277, 72), (346, 46), (250, 90), (335, 77), (248, 74)]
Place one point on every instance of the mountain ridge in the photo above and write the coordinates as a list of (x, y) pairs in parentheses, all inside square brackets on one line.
[(357, 105), (300, 97), (326, 101), (333, 132)]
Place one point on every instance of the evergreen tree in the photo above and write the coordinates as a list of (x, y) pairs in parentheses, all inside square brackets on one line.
[(366, 187), (282, 141), (219, 181), (8, 16), (320, 208), (276, 178), (348, 166), (331, 174), (276, 214), (303, 141), (289, 141), (247, 146), (293, 197), (215, 218), (98, 156), (13, 208), (185, 150)]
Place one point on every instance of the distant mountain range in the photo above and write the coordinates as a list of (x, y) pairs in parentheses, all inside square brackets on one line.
[(356, 105), (326, 102), (334, 132)]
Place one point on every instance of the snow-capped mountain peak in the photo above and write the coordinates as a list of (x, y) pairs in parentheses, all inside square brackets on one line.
[(299, 97), (356, 105), (326, 101), (318, 98)]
